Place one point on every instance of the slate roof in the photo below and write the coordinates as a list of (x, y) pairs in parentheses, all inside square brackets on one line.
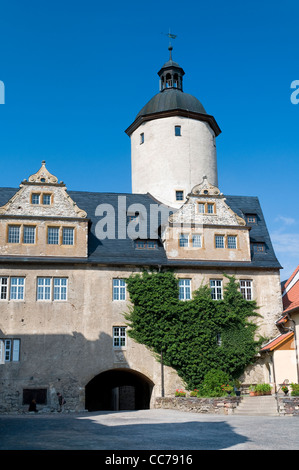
[(123, 252), (172, 99)]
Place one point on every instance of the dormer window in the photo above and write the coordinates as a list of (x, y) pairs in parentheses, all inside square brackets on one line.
[(259, 247), (251, 218)]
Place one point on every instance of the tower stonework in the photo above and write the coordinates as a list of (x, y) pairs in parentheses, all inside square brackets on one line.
[(173, 142)]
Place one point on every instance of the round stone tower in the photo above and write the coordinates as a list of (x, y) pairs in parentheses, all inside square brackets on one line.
[(172, 141)]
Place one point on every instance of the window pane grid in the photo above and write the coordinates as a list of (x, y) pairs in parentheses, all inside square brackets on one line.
[(216, 289), (119, 336), (219, 241), (184, 240), (232, 242), (119, 289), (68, 236), (3, 288), (14, 234), (44, 288), (246, 289), (35, 198), (17, 288), (185, 289), (60, 288), (53, 235), (196, 240), (29, 234)]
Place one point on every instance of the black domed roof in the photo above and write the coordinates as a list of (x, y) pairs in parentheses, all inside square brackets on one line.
[(171, 99)]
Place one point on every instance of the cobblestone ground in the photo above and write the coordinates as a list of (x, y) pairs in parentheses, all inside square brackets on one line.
[(147, 430)]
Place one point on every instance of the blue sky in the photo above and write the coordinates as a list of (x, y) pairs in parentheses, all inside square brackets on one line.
[(77, 73)]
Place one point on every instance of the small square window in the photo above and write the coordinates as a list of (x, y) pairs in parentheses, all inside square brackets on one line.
[(179, 195), (177, 131), (259, 247), (35, 197), (251, 218), (46, 199)]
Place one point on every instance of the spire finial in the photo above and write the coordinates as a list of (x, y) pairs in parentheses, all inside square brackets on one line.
[(170, 36)]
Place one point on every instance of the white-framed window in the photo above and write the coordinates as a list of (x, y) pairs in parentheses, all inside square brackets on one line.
[(67, 236), (119, 289), (28, 234), (44, 288), (219, 241), (53, 235), (216, 289), (9, 350), (246, 289), (184, 240), (184, 289), (3, 288), (60, 288), (17, 288), (119, 337), (232, 242), (14, 234), (196, 241)]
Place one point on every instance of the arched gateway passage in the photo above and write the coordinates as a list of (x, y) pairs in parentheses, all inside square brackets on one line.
[(118, 389)]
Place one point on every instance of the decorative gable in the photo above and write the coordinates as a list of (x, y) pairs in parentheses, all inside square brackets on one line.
[(42, 196), (206, 228), (41, 219)]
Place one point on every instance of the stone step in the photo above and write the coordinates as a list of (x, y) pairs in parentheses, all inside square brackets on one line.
[(254, 406)]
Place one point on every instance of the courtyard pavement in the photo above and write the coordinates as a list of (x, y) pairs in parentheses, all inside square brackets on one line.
[(147, 430)]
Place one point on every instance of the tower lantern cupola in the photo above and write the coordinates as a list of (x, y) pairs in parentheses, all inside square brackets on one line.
[(171, 74)]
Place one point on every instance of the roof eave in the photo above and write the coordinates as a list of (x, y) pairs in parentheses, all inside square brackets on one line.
[(174, 112)]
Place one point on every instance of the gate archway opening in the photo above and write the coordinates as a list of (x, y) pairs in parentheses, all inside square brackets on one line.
[(118, 389)]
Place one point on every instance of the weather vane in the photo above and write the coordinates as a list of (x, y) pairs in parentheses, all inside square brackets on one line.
[(170, 35)]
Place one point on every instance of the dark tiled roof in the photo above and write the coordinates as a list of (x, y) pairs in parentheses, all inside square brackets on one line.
[(123, 251)]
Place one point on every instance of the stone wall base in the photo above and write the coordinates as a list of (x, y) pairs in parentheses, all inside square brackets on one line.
[(219, 405), (288, 406)]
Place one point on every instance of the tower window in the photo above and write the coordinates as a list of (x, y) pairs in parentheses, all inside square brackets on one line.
[(177, 131), (179, 195), (142, 138)]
